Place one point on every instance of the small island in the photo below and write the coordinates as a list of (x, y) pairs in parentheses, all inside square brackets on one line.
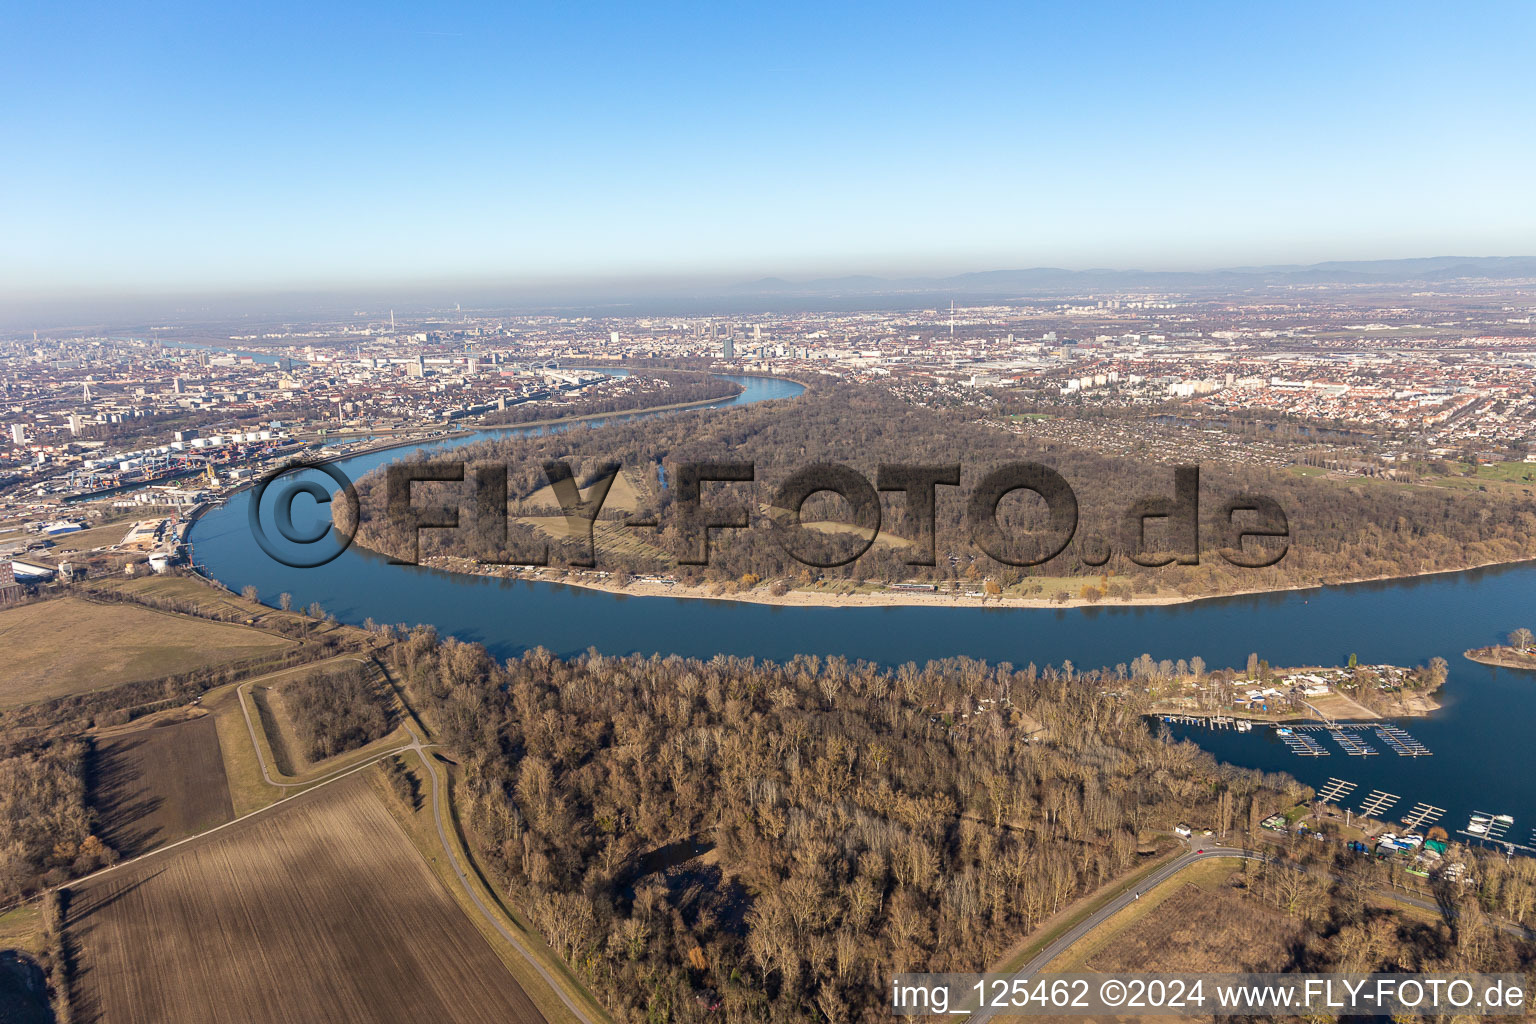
[(1520, 652)]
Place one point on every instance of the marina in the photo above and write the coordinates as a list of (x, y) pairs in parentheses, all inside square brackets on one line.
[(1491, 827), (1210, 721)]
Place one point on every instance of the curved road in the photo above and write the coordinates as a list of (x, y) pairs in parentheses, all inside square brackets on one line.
[(1125, 898)]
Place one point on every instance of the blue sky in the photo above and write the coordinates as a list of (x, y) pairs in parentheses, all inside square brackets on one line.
[(179, 148)]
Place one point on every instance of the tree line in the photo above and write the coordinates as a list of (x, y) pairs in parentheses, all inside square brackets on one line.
[(46, 823)]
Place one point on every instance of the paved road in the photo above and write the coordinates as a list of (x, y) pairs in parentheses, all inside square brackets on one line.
[(250, 727), (458, 869), (1122, 900), (1125, 898)]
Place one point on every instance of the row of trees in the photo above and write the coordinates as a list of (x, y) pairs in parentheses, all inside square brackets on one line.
[(857, 821)]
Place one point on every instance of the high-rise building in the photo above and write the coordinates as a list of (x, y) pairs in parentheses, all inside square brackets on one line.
[(613, 337), (757, 333), (18, 433), (76, 424), (728, 350)]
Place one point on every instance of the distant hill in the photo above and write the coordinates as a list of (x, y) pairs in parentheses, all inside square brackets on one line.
[(1055, 280)]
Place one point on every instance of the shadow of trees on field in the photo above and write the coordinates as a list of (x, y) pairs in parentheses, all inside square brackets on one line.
[(121, 795)]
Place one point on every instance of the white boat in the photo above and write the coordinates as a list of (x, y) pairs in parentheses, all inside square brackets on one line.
[(1477, 828), (1506, 819)]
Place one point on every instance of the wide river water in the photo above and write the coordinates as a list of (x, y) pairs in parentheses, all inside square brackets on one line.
[(1478, 737)]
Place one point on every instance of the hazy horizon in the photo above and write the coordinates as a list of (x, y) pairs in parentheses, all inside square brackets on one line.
[(718, 293)]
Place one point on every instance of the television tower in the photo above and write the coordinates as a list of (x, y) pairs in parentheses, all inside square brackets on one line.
[(951, 319)]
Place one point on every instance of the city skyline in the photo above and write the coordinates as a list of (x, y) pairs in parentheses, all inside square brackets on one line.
[(187, 151)]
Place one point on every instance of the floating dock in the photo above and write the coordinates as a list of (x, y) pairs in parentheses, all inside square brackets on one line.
[(1378, 803), (1400, 742), (1303, 746), (1335, 790), (1351, 744), (1491, 827), (1422, 816), (1347, 735)]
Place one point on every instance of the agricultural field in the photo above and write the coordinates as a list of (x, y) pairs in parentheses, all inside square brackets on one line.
[(624, 495), (318, 911), (158, 784), (70, 645)]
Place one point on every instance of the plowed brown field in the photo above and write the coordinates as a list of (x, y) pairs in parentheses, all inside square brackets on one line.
[(319, 911), (156, 785)]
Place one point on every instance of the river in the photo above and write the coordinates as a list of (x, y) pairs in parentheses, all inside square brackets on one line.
[(1488, 717)]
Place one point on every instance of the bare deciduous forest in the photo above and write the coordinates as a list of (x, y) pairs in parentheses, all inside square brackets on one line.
[(336, 709), (46, 825), (777, 839), (1339, 530)]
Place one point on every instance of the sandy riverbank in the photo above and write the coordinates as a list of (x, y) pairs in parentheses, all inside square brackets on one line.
[(796, 598), (800, 598)]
